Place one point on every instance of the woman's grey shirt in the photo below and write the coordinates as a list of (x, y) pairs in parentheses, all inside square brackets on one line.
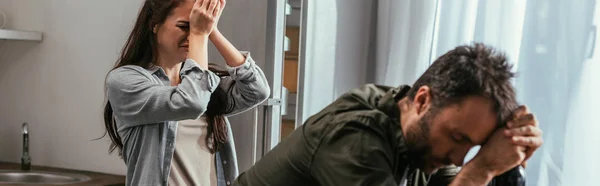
[(146, 109)]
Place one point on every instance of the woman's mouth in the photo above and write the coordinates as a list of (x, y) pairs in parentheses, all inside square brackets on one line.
[(185, 47), (184, 44)]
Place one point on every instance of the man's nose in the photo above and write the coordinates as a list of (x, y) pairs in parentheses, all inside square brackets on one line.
[(459, 155)]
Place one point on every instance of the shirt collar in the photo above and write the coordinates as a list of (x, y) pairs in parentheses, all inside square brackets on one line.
[(389, 105), (389, 102), (154, 68)]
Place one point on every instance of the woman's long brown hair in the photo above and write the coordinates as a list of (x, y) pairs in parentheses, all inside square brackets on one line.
[(141, 49)]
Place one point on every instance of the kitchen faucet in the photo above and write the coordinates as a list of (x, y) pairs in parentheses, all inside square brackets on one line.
[(25, 159)]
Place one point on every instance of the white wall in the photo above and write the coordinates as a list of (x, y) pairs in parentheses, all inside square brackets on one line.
[(57, 85)]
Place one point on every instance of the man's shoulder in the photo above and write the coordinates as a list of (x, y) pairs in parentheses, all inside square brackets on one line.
[(368, 90), (351, 117), (370, 117), (356, 106), (364, 99), (361, 104)]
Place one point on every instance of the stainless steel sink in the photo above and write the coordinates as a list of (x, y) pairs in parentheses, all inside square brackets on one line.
[(40, 177)]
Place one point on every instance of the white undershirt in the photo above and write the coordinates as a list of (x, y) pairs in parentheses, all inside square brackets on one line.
[(404, 178), (192, 162)]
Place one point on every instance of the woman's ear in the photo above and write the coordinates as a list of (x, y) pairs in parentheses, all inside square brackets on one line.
[(422, 100), (155, 29)]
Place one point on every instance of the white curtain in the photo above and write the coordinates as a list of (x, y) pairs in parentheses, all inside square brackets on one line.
[(495, 23), (315, 85), (336, 54), (404, 36), (582, 151)]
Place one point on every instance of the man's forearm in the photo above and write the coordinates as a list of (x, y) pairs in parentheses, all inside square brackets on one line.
[(469, 175)]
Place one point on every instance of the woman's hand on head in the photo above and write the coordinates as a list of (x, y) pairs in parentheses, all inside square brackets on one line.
[(221, 7), (205, 15)]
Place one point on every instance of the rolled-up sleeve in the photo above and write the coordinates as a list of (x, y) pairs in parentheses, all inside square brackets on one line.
[(444, 176), (137, 98), (247, 85)]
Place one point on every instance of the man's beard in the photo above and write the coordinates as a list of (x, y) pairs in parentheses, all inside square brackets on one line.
[(417, 142)]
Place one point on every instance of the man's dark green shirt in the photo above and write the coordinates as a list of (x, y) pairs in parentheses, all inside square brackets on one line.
[(356, 140)]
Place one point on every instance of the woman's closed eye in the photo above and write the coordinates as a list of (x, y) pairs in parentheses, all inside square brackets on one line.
[(183, 25)]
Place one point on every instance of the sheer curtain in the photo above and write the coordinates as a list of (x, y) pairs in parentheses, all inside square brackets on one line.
[(404, 36), (582, 152), (335, 56), (315, 85), (551, 44), (496, 23)]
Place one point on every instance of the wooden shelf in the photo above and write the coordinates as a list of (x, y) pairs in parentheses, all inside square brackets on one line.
[(293, 33), (6, 34), (290, 67)]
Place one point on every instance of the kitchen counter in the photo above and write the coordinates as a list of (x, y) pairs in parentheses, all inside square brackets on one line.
[(97, 179)]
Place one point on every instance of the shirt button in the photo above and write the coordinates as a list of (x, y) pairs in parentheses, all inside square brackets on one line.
[(198, 76), (228, 183), (224, 162)]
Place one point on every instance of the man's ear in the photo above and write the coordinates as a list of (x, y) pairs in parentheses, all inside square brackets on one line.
[(422, 100)]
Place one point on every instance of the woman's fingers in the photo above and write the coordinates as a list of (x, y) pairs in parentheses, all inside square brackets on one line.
[(201, 4), (223, 2), (212, 6), (217, 9), (222, 5), (202, 19)]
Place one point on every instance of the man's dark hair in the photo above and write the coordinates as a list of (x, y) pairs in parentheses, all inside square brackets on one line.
[(470, 70)]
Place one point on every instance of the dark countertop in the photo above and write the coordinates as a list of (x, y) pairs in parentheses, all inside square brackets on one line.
[(97, 179)]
